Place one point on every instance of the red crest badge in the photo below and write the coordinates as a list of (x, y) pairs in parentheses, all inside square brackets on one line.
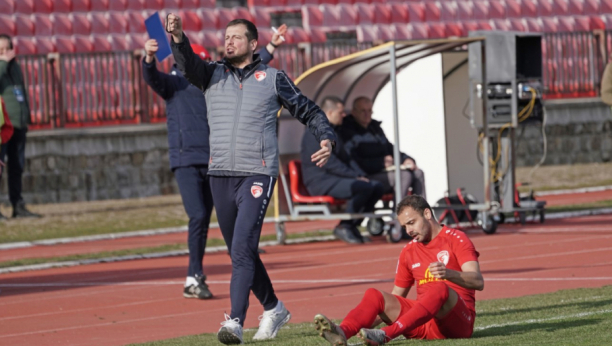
[(256, 191), (260, 75), (443, 257)]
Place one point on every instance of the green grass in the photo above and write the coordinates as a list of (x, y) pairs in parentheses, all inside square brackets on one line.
[(570, 317), (577, 207)]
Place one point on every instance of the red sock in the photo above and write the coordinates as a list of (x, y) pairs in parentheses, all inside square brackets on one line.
[(423, 310), (363, 316)]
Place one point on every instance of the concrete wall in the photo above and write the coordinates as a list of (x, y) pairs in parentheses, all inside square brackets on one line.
[(132, 161)]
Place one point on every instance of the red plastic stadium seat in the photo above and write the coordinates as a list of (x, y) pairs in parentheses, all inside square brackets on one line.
[(99, 5), (24, 25), (135, 5), (419, 31), (101, 43), (497, 9), (348, 15), (257, 3), (416, 12), (432, 12), (454, 30), (42, 25), (64, 44), (99, 23), (331, 15), (529, 8), (84, 5), (533, 24), (545, 8), (386, 32), (62, 24), (299, 194), (136, 20), (311, 17), (513, 8), (481, 10), (382, 13), (209, 19), (25, 46), (448, 11), (208, 3), (242, 12), (367, 33), (606, 6), (120, 42), (365, 14), (265, 36), (561, 8), (465, 10), (317, 35), (596, 23), (283, 3), (297, 35), (576, 7), (117, 5), (500, 24), (400, 14), (138, 41), (191, 21), (517, 24), (44, 45), (436, 30), (402, 32), (42, 6), (83, 44), (550, 24), (225, 16), (591, 7), (24, 6), (189, 4), (82, 23), (213, 39), (118, 22), (7, 7), (7, 25), (261, 17)]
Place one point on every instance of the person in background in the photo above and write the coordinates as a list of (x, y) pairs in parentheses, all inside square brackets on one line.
[(188, 145), (15, 96)]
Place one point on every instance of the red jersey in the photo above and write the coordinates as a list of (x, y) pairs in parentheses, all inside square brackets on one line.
[(451, 246)]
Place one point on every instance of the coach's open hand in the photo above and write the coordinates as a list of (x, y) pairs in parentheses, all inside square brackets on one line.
[(438, 270), (175, 27), (322, 156)]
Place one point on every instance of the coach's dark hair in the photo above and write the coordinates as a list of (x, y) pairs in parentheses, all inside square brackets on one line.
[(251, 28), (330, 102), (415, 202), (8, 38)]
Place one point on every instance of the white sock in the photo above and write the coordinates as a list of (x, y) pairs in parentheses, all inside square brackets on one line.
[(191, 281)]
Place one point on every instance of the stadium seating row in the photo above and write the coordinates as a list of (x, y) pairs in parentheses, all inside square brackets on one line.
[(68, 6)]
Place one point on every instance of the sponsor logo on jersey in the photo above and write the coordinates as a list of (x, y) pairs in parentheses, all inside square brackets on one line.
[(260, 75), (416, 265), (429, 278), (443, 257), (256, 191)]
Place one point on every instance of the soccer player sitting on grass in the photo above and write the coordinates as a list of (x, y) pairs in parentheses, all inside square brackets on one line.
[(444, 265)]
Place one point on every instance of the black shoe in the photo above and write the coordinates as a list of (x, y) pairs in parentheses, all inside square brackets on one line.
[(19, 210), (355, 231), (200, 291), (345, 234)]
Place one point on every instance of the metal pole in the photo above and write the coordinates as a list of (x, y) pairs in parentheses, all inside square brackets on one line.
[(396, 151)]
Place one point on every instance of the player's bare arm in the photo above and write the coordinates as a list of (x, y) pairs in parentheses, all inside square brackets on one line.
[(469, 276)]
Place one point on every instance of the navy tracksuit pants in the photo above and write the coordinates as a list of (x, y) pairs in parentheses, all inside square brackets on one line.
[(241, 204), (197, 200)]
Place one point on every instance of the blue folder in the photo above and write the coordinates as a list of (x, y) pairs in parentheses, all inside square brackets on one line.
[(156, 31)]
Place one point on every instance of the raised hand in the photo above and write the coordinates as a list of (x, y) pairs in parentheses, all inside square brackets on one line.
[(151, 48), (174, 25), (277, 38)]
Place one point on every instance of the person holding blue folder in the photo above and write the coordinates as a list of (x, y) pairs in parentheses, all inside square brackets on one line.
[(188, 134)]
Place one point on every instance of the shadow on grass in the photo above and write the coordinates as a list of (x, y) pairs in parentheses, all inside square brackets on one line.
[(534, 327)]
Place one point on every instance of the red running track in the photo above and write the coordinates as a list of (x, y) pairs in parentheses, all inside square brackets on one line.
[(137, 301)]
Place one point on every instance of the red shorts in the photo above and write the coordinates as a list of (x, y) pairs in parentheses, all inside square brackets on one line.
[(459, 323)]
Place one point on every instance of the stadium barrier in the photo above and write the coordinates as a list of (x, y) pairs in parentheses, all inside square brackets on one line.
[(106, 88)]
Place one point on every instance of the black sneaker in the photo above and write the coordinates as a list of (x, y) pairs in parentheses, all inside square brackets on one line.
[(345, 234), (20, 210), (200, 291)]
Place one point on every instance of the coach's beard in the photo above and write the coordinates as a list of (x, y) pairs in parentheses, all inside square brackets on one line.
[(238, 59)]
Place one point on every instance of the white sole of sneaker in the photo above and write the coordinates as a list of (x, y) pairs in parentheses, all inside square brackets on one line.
[(278, 327), (226, 337)]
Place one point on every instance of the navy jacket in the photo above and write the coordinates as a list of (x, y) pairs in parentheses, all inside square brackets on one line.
[(188, 131), (367, 147), (319, 180)]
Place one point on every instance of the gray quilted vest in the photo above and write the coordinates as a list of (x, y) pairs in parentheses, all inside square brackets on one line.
[(242, 121)]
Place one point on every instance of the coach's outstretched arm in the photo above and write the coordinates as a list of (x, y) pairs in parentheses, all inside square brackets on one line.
[(309, 114), (195, 70), (469, 276)]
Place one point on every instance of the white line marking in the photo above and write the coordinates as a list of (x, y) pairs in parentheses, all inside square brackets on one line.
[(538, 320)]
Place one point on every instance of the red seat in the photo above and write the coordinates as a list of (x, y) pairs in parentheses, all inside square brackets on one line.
[(348, 15), (500, 24), (454, 30), (25, 46), (299, 194), (533, 24), (242, 12), (465, 10), (365, 14), (436, 30), (265, 36), (517, 24), (187, 4), (386, 32), (297, 35), (400, 14), (213, 39), (481, 10), (24, 6), (596, 23), (448, 11), (606, 6), (209, 19), (138, 41), (82, 23), (367, 33), (576, 7), (101, 43), (191, 20), (513, 9), (261, 17), (497, 10), (317, 35), (402, 32), (44, 45), (84, 5), (382, 13), (62, 24), (100, 5), (419, 31), (550, 24), (545, 8), (64, 44), (591, 7), (311, 17), (118, 22), (42, 6), (136, 5), (208, 3), (42, 25), (331, 16), (136, 20), (283, 3), (24, 25), (416, 12), (117, 5), (99, 23), (83, 44), (432, 12), (7, 7), (225, 16), (7, 25), (257, 3), (561, 8), (120, 42)]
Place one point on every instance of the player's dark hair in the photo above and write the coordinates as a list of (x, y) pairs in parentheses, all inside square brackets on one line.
[(330, 102), (8, 38), (251, 33), (415, 202)]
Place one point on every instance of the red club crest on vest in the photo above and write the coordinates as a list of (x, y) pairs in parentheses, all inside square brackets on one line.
[(260, 75)]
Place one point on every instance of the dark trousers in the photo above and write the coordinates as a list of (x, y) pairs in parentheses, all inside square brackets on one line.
[(361, 195), (13, 155), (408, 179), (197, 199), (241, 204)]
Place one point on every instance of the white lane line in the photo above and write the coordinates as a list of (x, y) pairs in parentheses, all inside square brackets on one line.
[(554, 254), (538, 320)]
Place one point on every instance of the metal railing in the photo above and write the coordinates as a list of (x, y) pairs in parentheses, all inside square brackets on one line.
[(89, 89)]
